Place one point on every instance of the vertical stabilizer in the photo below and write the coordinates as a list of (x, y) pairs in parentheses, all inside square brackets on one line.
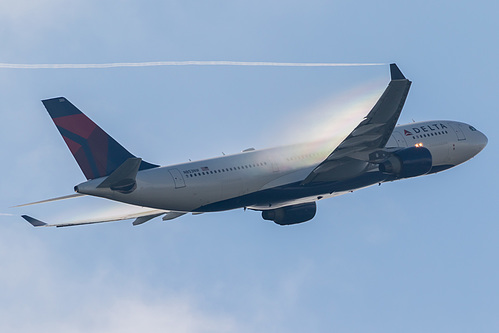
[(97, 153)]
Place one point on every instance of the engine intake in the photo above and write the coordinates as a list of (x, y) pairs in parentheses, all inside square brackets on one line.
[(291, 214), (408, 162)]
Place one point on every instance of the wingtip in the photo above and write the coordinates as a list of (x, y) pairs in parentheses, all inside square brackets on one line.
[(34, 222), (396, 73)]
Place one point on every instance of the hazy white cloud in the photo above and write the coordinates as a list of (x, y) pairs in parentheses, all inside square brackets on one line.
[(26, 24), (41, 291), (25, 14), (174, 315), (123, 315), (37, 296)]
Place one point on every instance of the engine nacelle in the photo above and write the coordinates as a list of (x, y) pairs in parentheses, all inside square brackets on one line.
[(291, 214), (408, 162)]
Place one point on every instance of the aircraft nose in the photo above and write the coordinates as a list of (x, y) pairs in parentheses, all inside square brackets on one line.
[(469, 145), (483, 140), (478, 142)]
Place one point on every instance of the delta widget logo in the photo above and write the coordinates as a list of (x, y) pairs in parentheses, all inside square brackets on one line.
[(408, 133)]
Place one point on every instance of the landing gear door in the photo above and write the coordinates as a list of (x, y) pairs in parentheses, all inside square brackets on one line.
[(177, 178)]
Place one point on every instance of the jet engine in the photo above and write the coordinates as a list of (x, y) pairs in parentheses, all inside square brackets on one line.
[(291, 214), (408, 162)]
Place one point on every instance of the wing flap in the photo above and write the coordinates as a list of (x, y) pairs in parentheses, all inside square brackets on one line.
[(172, 215), (365, 129), (354, 141), (144, 219)]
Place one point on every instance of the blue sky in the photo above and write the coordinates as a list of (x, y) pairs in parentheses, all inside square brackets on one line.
[(414, 255)]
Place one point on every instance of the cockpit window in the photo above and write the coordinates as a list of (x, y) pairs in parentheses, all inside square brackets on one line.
[(472, 129)]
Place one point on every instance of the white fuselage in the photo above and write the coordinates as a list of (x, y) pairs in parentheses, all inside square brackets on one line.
[(259, 178)]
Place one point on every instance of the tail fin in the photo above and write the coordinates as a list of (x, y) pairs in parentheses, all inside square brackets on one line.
[(97, 153)]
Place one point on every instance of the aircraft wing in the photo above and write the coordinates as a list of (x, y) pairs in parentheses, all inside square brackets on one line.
[(143, 216), (370, 135)]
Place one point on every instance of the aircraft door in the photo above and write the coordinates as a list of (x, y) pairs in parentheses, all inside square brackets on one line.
[(275, 166), (459, 132), (178, 179)]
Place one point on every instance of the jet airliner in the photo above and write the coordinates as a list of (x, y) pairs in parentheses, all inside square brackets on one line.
[(282, 183)]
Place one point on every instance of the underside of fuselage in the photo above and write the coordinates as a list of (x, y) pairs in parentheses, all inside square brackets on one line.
[(294, 193)]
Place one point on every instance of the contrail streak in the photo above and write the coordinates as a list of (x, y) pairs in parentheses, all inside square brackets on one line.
[(185, 63)]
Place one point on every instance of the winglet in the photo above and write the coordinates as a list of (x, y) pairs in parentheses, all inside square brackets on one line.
[(396, 73), (34, 222)]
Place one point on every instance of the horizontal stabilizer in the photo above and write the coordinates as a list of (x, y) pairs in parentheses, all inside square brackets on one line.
[(123, 178), (50, 200)]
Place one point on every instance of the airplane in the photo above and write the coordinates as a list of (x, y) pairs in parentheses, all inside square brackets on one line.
[(283, 183)]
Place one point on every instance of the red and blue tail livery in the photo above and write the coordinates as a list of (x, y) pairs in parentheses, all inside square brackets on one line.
[(97, 153)]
